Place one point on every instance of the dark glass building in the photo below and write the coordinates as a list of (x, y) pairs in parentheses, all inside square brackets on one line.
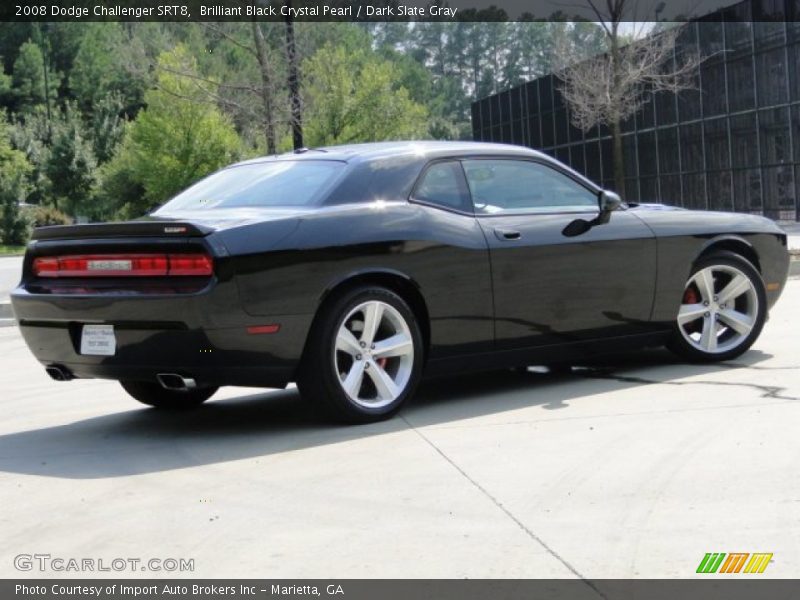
[(730, 143)]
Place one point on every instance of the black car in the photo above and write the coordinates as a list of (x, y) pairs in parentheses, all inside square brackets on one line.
[(355, 270)]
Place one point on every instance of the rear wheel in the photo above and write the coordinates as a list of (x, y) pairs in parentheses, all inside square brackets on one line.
[(723, 309), (364, 357), (153, 394)]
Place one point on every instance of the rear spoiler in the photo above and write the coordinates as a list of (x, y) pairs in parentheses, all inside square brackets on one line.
[(123, 229)]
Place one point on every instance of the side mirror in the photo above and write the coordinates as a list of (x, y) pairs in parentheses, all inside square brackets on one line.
[(609, 201)]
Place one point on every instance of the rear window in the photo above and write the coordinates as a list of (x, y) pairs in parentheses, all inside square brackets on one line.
[(280, 183)]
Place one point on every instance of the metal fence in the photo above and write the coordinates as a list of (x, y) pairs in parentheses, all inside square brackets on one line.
[(730, 143)]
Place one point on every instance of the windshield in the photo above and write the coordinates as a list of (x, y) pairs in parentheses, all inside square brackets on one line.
[(279, 183)]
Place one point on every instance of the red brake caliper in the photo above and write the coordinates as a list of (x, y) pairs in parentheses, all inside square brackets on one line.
[(690, 296), (382, 362)]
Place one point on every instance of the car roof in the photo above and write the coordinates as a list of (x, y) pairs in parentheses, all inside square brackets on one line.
[(422, 150), (378, 150)]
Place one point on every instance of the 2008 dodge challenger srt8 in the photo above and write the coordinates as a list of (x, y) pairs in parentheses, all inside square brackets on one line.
[(354, 270)]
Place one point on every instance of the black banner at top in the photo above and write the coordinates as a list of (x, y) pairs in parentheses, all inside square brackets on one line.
[(390, 10)]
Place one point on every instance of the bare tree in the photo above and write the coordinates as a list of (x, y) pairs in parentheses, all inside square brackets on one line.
[(250, 100), (266, 89), (610, 88), (293, 82)]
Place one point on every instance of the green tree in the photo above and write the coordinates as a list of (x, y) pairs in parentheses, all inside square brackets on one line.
[(354, 97), (107, 126), (121, 192), (12, 35), (5, 85), (101, 69), (32, 83), (31, 135), (71, 164), (13, 189), (175, 141), (429, 46)]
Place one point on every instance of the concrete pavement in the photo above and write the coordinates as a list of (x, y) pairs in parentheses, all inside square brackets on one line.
[(10, 272), (635, 467)]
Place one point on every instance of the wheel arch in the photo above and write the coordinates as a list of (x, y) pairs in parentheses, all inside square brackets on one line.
[(731, 243), (400, 283)]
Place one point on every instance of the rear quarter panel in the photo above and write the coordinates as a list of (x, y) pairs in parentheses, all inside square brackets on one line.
[(443, 254)]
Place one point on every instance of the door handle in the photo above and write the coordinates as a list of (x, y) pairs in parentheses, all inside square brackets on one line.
[(506, 235)]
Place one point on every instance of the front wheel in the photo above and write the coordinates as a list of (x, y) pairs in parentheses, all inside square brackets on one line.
[(723, 309), (153, 394), (364, 357)]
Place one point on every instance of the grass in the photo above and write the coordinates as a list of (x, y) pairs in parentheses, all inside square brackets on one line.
[(6, 250)]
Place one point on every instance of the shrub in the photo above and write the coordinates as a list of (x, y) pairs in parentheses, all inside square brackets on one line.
[(42, 216)]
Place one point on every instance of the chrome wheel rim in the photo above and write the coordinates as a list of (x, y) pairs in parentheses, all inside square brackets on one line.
[(373, 354), (719, 309)]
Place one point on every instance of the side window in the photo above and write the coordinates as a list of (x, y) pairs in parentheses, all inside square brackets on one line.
[(443, 184), (500, 186)]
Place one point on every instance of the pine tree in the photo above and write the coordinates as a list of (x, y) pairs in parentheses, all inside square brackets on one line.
[(33, 83), (71, 164), (13, 189)]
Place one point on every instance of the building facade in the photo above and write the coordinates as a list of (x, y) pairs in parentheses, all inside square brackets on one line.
[(732, 142)]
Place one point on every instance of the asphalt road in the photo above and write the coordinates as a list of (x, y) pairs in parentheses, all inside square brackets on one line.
[(633, 468)]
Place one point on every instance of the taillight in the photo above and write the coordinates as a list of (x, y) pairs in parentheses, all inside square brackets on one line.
[(123, 265), (189, 264)]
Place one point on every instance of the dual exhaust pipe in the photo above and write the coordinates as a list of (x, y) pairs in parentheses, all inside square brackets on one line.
[(59, 373), (175, 382), (169, 381)]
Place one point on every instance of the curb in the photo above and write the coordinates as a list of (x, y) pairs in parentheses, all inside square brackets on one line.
[(6, 315), (6, 311)]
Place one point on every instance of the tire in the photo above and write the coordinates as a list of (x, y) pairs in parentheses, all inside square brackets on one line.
[(345, 372), (153, 394), (722, 311)]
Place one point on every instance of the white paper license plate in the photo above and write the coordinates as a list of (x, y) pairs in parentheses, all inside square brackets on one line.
[(98, 340)]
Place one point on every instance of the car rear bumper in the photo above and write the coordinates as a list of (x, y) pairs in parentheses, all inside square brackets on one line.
[(193, 337)]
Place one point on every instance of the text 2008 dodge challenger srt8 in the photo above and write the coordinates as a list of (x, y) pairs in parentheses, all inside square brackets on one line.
[(353, 270)]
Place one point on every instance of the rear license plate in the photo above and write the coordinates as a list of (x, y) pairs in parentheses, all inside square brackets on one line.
[(98, 340)]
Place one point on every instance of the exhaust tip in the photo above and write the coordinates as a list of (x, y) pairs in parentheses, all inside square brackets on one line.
[(175, 382), (59, 373)]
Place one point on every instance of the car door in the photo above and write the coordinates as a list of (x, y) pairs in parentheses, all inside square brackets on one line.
[(559, 275), (454, 272)]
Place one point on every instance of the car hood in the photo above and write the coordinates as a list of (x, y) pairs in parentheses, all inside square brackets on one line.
[(652, 206)]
